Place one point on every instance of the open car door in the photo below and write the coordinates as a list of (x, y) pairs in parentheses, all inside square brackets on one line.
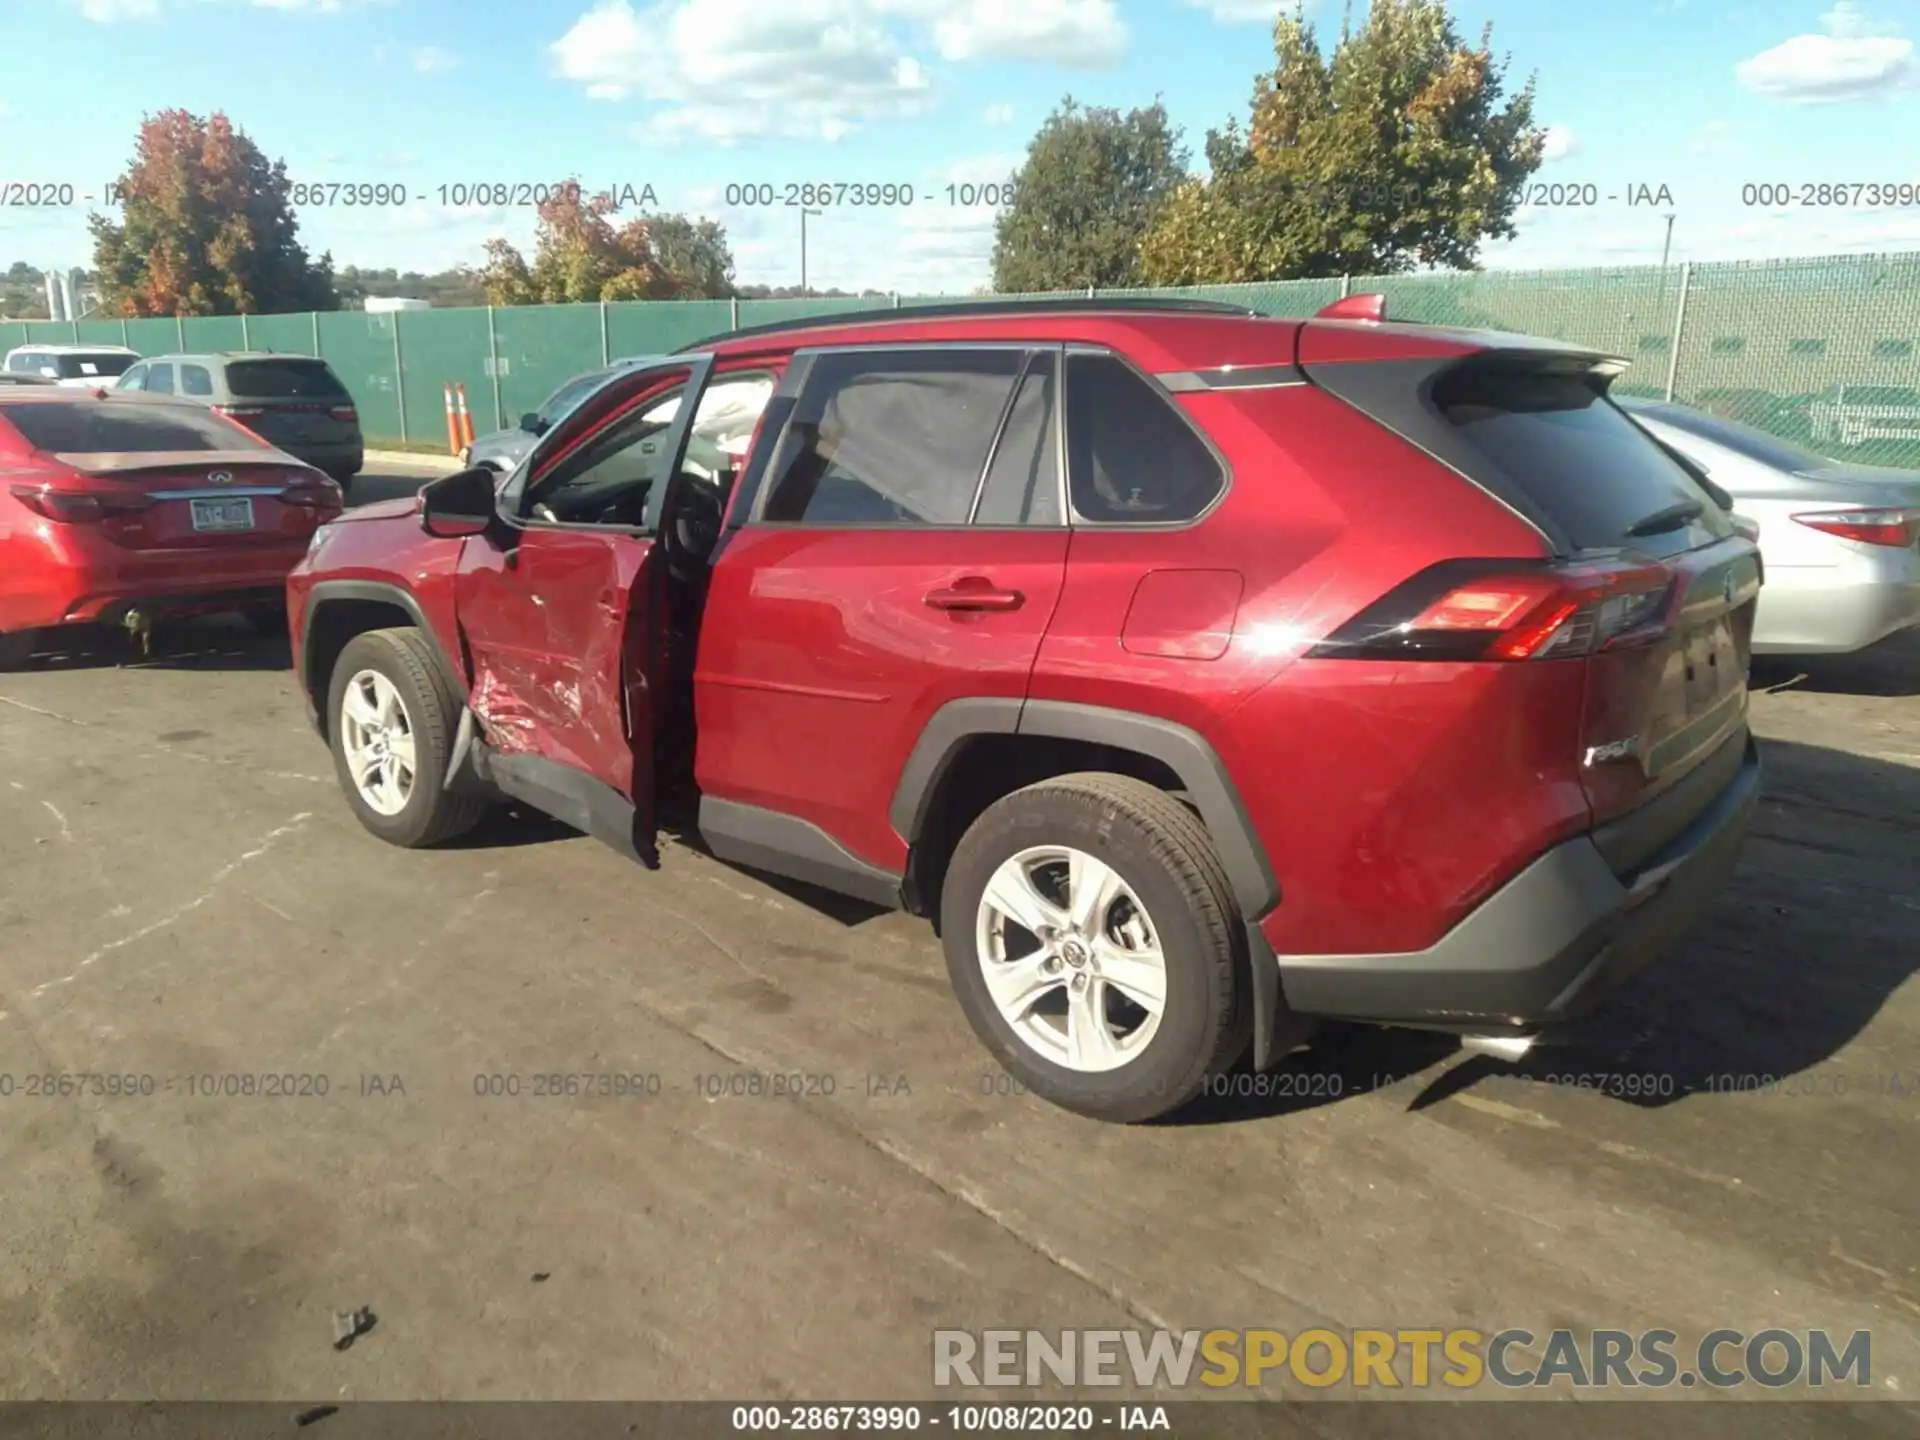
[(559, 609)]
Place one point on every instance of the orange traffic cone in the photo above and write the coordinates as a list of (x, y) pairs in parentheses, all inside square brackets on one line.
[(453, 420), (466, 415)]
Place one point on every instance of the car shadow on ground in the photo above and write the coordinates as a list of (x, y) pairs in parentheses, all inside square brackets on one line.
[(1817, 929), (214, 642), (1890, 668)]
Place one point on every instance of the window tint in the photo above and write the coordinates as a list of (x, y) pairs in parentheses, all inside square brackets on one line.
[(160, 380), (283, 380), (20, 362), (113, 426), (1130, 455), (893, 438), (1023, 483), (195, 380), (87, 366), (1577, 457), (562, 401)]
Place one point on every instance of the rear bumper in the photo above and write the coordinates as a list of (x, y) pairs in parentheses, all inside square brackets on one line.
[(180, 583), (1550, 943), (1831, 610)]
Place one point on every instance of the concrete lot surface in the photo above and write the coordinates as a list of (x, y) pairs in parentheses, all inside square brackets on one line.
[(184, 897)]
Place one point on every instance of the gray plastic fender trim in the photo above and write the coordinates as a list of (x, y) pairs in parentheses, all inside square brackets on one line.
[(331, 590), (1207, 783)]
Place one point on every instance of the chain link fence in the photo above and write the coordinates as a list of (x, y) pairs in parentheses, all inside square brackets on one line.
[(1822, 351)]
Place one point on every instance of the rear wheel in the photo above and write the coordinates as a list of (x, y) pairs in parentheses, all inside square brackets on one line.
[(391, 722), (16, 648), (1093, 943)]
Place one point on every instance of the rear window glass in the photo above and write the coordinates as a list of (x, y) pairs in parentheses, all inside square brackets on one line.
[(1131, 457), (284, 380), (1557, 440), (85, 367), (105, 427)]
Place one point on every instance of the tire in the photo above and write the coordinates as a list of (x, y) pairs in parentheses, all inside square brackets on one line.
[(404, 659), (16, 648), (1166, 862)]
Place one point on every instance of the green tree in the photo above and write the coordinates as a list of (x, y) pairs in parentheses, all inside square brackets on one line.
[(1396, 151), (581, 255), (208, 228), (1092, 184)]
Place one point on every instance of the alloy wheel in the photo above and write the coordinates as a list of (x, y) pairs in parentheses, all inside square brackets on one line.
[(1071, 958), (376, 735)]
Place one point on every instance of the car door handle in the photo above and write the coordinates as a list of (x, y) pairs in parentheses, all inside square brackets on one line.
[(974, 593)]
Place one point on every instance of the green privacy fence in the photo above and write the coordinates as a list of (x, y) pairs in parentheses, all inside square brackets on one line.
[(1825, 351)]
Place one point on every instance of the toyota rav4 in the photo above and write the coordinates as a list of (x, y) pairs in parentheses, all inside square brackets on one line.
[(1198, 674)]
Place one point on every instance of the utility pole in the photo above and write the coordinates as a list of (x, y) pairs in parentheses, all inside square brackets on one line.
[(804, 213), (1667, 248)]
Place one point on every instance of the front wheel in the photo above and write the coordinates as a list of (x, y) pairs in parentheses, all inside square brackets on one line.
[(1094, 945), (391, 726)]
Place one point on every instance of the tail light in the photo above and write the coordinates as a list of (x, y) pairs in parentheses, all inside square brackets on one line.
[(1897, 528), (1509, 610), (343, 412), (243, 415), (315, 492), (78, 506)]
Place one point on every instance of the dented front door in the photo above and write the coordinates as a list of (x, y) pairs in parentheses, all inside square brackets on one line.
[(559, 607), (557, 628)]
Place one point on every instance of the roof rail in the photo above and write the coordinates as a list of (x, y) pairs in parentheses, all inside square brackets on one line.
[(963, 309)]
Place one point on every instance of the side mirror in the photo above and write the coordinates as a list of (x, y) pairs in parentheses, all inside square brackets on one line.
[(533, 424), (459, 505)]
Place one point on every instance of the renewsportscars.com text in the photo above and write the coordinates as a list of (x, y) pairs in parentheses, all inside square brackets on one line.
[(1457, 1359)]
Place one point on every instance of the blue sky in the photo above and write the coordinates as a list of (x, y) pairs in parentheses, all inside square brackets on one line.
[(1701, 96)]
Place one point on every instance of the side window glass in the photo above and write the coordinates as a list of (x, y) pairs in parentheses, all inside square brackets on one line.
[(160, 380), (1023, 483), (134, 379), (1131, 457), (606, 482), (194, 380), (891, 437)]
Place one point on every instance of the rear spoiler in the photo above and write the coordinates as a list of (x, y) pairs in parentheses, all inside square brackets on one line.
[(125, 462)]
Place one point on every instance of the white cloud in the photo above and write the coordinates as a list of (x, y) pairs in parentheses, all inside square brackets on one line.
[(429, 59), (1085, 34), (1857, 57), (727, 70), (111, 12), (1245, 12), (1000, 114), (1560, 239), (1558, 143)]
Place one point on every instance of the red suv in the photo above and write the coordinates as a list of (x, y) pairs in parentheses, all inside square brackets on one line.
[(119, 508), (1198, 674)]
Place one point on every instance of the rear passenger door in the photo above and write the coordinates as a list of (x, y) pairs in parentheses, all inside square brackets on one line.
[(898, 541)]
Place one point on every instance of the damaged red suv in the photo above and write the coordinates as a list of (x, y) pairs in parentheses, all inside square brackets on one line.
[(1198, 674)]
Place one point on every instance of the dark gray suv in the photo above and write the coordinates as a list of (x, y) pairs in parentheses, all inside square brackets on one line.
[(293, 402)]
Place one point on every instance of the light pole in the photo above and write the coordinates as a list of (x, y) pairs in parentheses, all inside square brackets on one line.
[(1667, 248), (804, 213)]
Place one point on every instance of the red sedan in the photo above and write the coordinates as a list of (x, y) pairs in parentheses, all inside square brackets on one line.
[(120, 508)]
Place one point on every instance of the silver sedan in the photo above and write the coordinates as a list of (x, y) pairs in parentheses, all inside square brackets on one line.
[(1841, 542)]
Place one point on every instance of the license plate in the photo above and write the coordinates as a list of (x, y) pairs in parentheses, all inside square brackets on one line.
[(222, 514)]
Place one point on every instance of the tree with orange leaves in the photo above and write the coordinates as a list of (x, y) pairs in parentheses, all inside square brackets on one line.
[(207, 228), (1394, 151), (582, 255)]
